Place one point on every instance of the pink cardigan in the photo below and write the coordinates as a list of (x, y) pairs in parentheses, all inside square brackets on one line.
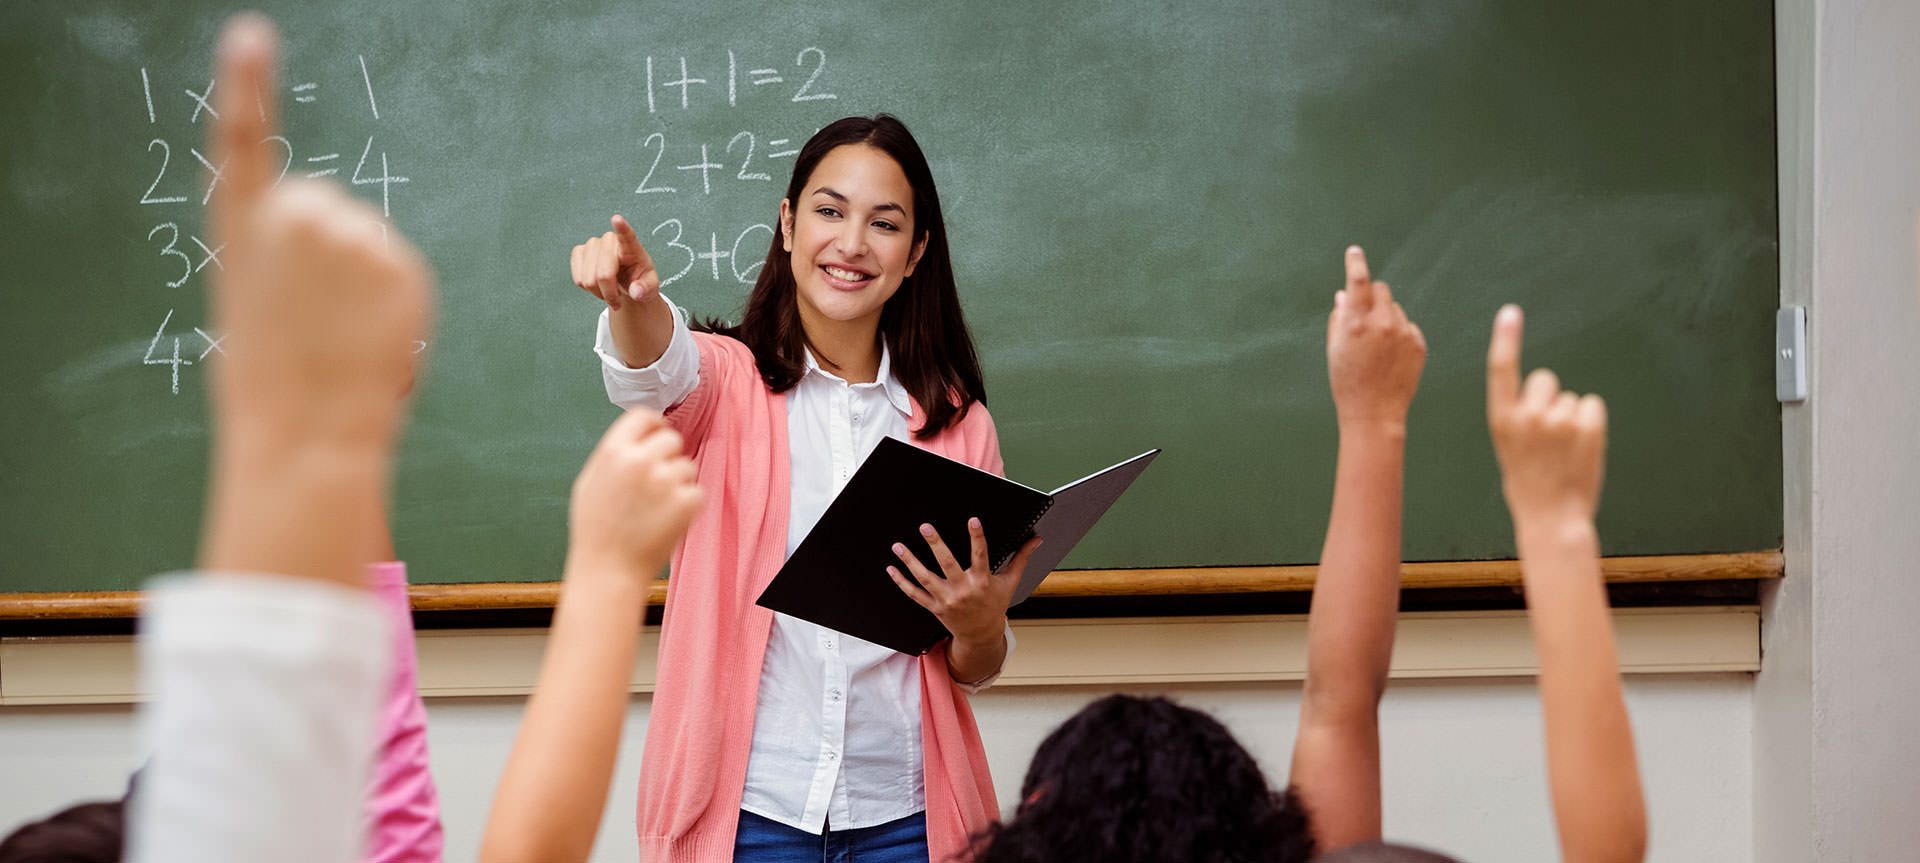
[(713, 637)]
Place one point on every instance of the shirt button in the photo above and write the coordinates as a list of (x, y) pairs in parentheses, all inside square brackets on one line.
[(833, 695)]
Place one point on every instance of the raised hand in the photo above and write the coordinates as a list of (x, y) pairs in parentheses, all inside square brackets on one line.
[(631, 503), (635, 497), (1374, 353), (1552, 448), (324, 303), (615, 268), (1551, 443), (322, 306)]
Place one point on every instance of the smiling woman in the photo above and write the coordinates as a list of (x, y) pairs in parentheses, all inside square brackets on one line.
[(862, 201), (851, 255), (769, 733)]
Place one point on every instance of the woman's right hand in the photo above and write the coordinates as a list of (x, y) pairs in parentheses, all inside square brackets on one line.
[(615, 268)]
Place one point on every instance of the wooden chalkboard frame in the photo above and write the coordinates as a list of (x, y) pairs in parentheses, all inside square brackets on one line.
[(1081, 583)]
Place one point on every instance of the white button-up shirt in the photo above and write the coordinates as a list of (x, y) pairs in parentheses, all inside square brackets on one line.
[(836, 733)]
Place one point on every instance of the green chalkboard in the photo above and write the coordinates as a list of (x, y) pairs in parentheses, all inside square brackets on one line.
[(1147, 204)]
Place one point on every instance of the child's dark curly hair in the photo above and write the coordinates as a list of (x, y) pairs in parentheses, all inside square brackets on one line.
[(87, 833), (1144, 779)]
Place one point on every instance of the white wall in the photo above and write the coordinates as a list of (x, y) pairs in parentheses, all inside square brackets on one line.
[(1836, 763), (1463, 759)]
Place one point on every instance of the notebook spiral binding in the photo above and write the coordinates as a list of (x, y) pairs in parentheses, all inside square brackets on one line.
[(1028, 534)]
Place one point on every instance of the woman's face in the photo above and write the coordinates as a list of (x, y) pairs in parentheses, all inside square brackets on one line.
[(850, 236)]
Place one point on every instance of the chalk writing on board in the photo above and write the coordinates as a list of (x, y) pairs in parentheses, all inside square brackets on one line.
[(322, 172), (745, 160), (677, 168), (657, 140), (374, 168), (819, 66), (669, 245), (368, 79), (673, 80), (186, 263), (182, 254), (704, 165), (166, 158), (212, 256), (173, 361), (217, 173), (146, 88), (201, 103), (286, 160), (213, 344), (385, 180)]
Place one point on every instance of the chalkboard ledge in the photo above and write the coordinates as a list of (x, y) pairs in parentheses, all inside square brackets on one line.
[(1079, 583)]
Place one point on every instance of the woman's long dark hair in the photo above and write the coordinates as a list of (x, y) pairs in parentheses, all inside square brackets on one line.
[(1144, 779), (926, 335)]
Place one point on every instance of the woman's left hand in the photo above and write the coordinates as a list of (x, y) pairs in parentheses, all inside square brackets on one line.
[(971, 601)]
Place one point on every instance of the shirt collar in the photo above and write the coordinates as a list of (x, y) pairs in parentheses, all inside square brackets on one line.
[(896, 394)]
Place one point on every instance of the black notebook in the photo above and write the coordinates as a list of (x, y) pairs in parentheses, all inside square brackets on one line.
[(838, 578)]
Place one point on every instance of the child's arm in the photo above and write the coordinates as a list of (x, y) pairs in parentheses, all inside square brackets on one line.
[(1374, 359), (631, 503), (323, 316), (1552, 445), (265, 673)]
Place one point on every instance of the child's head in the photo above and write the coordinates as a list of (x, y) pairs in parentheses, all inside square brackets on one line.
[(87, 833), (862, 242), (1145, 779)]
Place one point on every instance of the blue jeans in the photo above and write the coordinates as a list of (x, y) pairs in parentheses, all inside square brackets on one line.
[(764, 841)]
